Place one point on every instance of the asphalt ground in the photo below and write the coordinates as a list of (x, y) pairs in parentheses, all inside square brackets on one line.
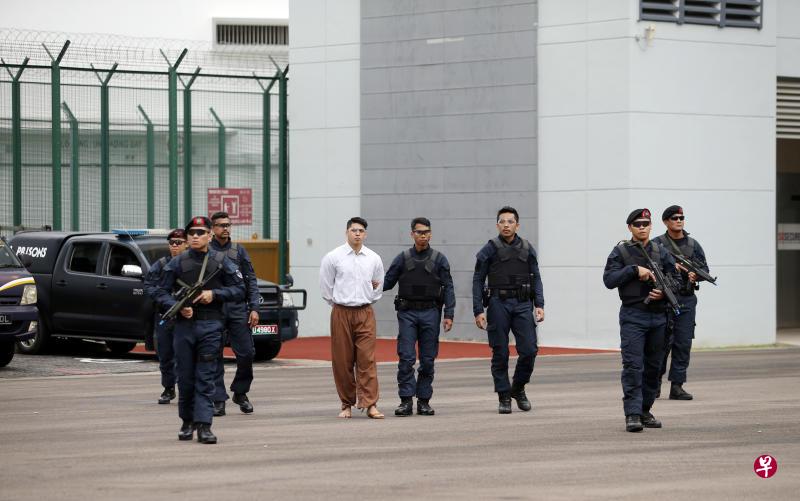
[(102, 436)]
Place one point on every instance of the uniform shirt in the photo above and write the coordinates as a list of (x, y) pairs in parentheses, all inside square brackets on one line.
[(252, 297), (441, 269), (482, 263), (617, 273), (232, 284), (346, 278), (153, 279)]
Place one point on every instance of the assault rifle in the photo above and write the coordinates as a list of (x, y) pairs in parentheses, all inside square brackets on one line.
[(664, 283), (185, 295), (694, 267)]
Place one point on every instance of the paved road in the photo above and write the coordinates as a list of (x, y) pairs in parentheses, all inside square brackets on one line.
[(103, 437)]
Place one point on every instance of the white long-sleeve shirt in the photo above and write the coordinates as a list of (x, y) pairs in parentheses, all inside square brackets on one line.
[(346, 278)]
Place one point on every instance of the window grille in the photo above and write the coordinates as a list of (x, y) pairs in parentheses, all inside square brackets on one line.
[(721, 13)]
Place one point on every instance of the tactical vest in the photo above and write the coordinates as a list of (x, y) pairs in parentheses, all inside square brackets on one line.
[(686, 248), (190, 272), (636, 291), (418, 281), (509, 267)]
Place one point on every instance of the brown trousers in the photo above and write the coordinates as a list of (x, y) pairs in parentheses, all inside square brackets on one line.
[(353, 332)]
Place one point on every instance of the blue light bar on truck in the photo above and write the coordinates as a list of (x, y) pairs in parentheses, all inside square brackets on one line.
[(138, 232)]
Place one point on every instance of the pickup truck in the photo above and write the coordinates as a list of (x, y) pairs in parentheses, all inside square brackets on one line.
[(18, 313), (90, 287)]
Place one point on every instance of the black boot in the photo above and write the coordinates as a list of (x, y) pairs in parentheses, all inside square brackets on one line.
[(205, 435), (405, 408), (633, 423), (219, 408), (649, 420), (505, 403), (677, 392), (424, 408), (167, 395), (518, 394), (244, 403), (187, 430)]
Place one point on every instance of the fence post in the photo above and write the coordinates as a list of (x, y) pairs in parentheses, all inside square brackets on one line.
[(187, 146), (173, 137), (220, 149), (105, 173), (75, 180), (283, 171), (266, 157), (55, 127), (16, 143), (151, 170)]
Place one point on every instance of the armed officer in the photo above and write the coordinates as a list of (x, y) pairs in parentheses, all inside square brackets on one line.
[(514, 282), (642, 318), (425, 285), (198, 327), (164, 339), (679, 339), (240, 318)]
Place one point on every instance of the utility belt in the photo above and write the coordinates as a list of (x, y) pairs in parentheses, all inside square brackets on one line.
[(521, 292), (402, 304), (205, 314), (658, 307)]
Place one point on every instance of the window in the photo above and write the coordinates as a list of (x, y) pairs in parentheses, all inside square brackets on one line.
[(721, 13), (84, 257), (119, 257)]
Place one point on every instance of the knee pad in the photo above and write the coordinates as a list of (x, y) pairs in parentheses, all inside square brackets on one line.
[(207, 357)]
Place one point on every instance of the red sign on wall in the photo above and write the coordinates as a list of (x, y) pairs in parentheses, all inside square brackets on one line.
[(237, 202)]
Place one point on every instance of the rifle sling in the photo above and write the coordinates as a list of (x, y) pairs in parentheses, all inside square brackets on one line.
[(202, 270)]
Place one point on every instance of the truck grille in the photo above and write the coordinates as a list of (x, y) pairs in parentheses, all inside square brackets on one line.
[(9, 301)]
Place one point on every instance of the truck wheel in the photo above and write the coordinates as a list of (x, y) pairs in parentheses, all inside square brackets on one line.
[(6, 352), (267, 350), (120, 347), (36, 344)]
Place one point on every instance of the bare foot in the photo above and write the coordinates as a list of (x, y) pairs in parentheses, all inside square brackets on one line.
[(374, 413), (346, 412)]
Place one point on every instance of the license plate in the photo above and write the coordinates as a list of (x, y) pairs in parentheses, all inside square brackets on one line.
[(261, 330), (6, 320)]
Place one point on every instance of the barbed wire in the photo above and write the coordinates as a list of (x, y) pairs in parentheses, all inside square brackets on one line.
[(137, 53)]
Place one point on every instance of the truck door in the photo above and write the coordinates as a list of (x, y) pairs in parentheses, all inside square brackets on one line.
[(76, 288), (127, 311)]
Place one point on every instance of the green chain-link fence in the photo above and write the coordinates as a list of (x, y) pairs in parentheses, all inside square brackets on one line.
[(139, 143)]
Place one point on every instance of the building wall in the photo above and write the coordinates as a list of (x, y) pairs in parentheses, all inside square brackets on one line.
[(324, 118), (448, 115), (788, 36), (176, 19), (687, 119)]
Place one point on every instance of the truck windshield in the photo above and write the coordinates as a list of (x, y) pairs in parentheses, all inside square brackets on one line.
[(7, 257), (153, 251)]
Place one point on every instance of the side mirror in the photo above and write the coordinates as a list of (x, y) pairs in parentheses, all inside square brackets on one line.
[(288, 280), (132, 271)]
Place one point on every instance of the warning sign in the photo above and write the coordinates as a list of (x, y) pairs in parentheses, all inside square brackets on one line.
[(237, 202)]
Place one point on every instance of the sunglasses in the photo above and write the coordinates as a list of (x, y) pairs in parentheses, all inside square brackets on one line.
[(422, 233), (677, 218), (176, 243), (196, 233), (640, 224), (223, 225)]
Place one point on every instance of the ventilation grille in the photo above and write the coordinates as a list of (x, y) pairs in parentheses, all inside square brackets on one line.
[(788, 109), (722, 13), (252, 34)]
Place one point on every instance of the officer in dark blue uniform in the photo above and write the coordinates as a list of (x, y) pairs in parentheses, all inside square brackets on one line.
[(642, 318), (512, 268), (240, 318), (425, 285), (679, 338), (198, 328), (164, 339)]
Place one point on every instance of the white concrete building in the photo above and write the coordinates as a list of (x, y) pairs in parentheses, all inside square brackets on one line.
[(575, 112)]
